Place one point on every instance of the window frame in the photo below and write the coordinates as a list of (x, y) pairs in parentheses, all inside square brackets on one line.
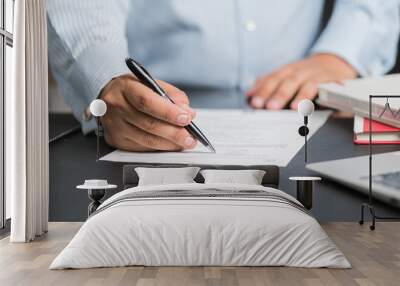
[(6, 39)]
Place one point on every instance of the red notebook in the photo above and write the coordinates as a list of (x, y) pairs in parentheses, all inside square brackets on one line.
[(381, 133)]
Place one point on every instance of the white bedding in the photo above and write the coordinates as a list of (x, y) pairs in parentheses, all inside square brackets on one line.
[(183, 231)]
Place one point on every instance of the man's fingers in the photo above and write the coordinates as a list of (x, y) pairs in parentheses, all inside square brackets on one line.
[(115, 130), (140, 120), (177, 135), (255, 87), (259, 83), (278, 74), (309, 90), (176, 94), (188, 109), (147, 101), (126, 144), (266, 87), (123, 135), (128, 137), (285, 92), (150, 140)]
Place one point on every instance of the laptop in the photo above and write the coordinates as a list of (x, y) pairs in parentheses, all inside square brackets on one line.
[(354, 172)]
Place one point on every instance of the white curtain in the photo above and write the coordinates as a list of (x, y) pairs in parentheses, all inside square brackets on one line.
[(27, 124)]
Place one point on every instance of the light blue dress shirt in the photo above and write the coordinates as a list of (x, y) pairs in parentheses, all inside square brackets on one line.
[(209, 43)]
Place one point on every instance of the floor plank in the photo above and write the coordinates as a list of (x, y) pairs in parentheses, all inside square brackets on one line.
[(375, 257)]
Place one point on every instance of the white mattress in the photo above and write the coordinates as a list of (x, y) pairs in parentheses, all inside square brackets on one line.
[(189, 231)]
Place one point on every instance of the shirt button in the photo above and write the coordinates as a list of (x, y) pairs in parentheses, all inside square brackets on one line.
[(250, 25)]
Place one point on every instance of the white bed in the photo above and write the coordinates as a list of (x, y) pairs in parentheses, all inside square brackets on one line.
[(201, 224)]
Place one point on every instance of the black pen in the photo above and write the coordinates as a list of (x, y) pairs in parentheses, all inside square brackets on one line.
[(144, 76)]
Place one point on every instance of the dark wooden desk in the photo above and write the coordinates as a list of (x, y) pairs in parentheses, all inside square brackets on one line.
[(72, 160)]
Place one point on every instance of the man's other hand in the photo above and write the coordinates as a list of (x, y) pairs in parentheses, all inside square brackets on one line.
[(299, 80), (138, 119)]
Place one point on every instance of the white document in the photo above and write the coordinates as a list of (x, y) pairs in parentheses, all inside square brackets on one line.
[(241, 137)]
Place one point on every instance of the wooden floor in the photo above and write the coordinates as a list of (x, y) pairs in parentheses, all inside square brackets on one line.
[(375, 257)]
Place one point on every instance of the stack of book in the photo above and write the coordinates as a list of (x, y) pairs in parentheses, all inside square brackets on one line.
[(381, 133), (353, 96)]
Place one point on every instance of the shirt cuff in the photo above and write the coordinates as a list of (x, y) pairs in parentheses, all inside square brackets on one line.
[(92, 70), (346, 36)]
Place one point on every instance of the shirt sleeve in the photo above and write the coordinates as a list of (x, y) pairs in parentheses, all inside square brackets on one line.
[(87, 48), (364, 33)]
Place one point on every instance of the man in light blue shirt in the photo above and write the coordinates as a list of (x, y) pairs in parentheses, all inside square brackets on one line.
[(273, 51)]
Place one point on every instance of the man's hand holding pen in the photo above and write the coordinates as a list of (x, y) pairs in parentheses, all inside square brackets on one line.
[(138, 119)]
